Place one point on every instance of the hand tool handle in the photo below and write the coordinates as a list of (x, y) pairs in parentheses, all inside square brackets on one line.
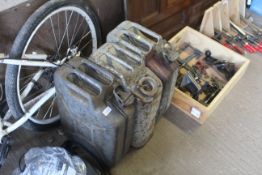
[(249, 48), (234, 48)]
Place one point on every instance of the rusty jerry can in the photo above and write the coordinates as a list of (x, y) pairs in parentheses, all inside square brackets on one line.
[(157, 54), (137, 80), (111, 100)]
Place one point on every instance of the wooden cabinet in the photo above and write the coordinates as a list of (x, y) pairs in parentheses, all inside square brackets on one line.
[(167, 16)]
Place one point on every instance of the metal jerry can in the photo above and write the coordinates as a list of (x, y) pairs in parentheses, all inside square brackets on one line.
[(137, 80), (90, 110), (157, 54)]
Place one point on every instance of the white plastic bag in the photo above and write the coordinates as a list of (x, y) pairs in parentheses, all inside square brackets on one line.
[(52, 161)]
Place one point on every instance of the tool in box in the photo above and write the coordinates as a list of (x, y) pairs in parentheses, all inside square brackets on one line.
[(241, 39), (201, 75), (228, 41)]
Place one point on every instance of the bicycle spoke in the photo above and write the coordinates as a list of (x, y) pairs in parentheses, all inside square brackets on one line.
[(50, 108), (27, 76), (31, 84), (35, 94), (66, 30), (53, 30), (31, 102), (79, 28), (79, 41), (50, 116), (74, 33), (43, 41), (40, 100), (36, 116), (64, 33), (58, 23), (84, 46), (82, 32)]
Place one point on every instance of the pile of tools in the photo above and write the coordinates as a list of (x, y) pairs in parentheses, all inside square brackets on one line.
[(201, 75), (242, 39)]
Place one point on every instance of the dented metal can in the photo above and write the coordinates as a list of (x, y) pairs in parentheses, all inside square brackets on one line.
[(154, 52), (112, 100), (90, 113), (136, 79)]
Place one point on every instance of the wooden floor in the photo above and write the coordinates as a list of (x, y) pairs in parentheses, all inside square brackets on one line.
[(229, 143)]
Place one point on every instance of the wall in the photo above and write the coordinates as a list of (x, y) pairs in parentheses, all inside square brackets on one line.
[(110, 13), (6, 4)]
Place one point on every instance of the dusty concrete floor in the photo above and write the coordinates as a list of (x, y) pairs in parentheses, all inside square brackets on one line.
[(229, 143)]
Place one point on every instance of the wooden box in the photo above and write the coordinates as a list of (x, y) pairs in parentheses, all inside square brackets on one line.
[(186, 103)]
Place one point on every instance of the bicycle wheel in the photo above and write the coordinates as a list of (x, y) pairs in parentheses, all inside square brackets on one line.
[(56, 32)]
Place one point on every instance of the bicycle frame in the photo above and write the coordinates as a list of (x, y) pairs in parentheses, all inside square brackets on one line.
[(39, 60), (6, 127), (28, 60)]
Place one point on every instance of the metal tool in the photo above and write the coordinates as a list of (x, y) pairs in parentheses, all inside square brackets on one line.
[(211, 97), (191, 85), (247, 40), (238, 29), (229, 41), (254, 27), (184, 62), (227, 68)]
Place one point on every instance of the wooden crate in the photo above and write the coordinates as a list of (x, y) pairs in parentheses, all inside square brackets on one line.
[(187, 104)]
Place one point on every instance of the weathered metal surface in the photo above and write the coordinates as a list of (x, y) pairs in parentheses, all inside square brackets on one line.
[(137, 79), (89, 111), (167, 71), (154, 52), (107, 100)]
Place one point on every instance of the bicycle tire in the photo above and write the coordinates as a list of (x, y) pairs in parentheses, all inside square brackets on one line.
[(19, 45)]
